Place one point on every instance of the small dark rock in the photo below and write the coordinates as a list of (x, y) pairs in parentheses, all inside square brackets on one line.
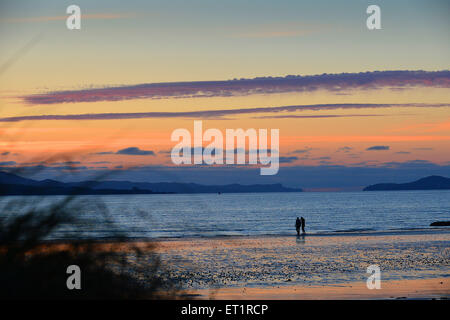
[(440, 224)]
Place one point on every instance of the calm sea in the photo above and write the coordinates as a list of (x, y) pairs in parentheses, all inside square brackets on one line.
[(250, 214)]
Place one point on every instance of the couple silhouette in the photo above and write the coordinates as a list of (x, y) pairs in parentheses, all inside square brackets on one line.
[(300, 223)]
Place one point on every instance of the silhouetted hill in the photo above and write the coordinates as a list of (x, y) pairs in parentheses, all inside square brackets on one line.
[(189, 187), (428, 183), (23, 190), (10, 178), (11, 184)]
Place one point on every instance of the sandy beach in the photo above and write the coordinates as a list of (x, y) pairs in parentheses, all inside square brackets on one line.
[(414, 264)]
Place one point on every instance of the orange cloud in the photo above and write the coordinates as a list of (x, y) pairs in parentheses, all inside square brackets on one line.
[(95, 16), (425, 127), (335, 138)]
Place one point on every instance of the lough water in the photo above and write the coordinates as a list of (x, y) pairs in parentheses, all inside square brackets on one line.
[(243, 214)]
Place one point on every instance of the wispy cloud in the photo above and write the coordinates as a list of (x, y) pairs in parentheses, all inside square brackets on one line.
[(344, 149), (378, 148), (67, 163), (409, 164), (296, 116), (131, 151), (423, 149), (287, 159), (91, 16), (263, 85), (222, 113), (426, 127), (134, 151), (302, 151)]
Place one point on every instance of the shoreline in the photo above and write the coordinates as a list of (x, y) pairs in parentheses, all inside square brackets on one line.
[(343, 233)]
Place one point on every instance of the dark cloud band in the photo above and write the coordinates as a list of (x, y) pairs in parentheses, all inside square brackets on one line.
[(205, 114), (263, 85)]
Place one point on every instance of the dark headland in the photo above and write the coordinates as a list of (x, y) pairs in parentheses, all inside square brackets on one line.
[(12, 184), (428, 183)]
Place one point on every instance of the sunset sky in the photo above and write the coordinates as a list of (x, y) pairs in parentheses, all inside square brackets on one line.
[(370, 105)]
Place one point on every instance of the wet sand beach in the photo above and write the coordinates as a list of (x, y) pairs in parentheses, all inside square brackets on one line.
[(412, 264)]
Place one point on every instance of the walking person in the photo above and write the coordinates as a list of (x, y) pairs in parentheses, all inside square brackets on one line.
[(298, 224), (302, 221)]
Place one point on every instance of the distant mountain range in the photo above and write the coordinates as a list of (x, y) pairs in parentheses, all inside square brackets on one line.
[(428, 183), (12, 184)]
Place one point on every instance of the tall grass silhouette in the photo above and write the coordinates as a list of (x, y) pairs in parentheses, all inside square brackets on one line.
[(33, 266)]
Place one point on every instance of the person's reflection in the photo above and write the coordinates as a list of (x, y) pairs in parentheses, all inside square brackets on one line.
[(300, 239)]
